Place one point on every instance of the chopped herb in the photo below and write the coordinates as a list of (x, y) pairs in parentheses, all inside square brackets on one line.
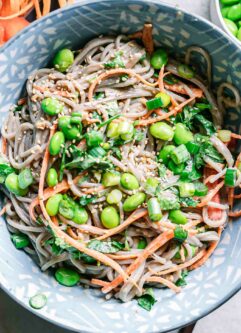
[(139, 135), (106, 122), (85, 200), (182, 280), (112, 108), (190, 173), (96, 115), (18, 108), (116, 62), (206, 125), (206, 149), (188, 202), (180, 234), (147, 300), (99, 95), (5, 170), (170, 79), (105, 247), (116, 152), (167, 199)]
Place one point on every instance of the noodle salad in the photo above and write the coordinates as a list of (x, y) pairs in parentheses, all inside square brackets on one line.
[(115, 168)]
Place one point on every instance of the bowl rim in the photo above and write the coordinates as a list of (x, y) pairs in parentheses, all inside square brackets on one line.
[(221, 20), (164, 5)]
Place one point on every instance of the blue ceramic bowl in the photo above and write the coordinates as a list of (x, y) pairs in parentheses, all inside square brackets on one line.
[(86, 310)]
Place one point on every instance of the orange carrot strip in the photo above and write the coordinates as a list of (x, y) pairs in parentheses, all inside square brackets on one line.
[(3, 210), (37, 8), (99, 282), (236, 136), (136, 215), (4, 145), (149, 250), (166, 115), (46, 7), (123, 256), (160, 79), (113, 72), (165, 282), (210, 195), (207, 253), (178, 88)]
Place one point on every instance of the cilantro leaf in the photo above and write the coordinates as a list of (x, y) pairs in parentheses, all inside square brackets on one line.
[(5, 170), (147, 300), (206, 125), (116, 62), (181, 281), (85, 200)]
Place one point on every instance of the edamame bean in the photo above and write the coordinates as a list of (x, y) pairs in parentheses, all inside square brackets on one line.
[(66, 209), (165, 98), (114, 197), (71, 132), (225, 11), (164, 154), (234, 13), (232, 27), (161, 130), (67, 276), (125, 130), (52, 205), (112, 131), (25, 178), (94, 138), (56, 142), (177, 216), (229, 2), (132, 202), (159, 58), (80, 215), (129, 181), (52, 177), (111, 178), (63, 60), (109, 217), (182, 135), (12, 184), (154, 209), (51, 106), (185, 71)]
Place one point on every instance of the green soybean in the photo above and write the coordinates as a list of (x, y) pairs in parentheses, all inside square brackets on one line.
[(185, 71), (111, 178), (51, 106), (113, 130), (52, 205), (67, 276), (225, 11), (94, 138), (20, 240), (71, 132), (109, 217), (56, 143), (232, 27), (234, 13), (25, 178), (154, 209), (142, 243), (229, 2), (129, 181), (132, 202), (177, 216), (63, 60), (12, 184), (164, 154), (80, 215), (165, 98), (114, 197), (159, 58), (182, 135), (38, 301), (161, 130), (52, 177), (66, 209), (125, 130)]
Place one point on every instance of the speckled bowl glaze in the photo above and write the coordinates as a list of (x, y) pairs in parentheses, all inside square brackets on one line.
[(86, 310)]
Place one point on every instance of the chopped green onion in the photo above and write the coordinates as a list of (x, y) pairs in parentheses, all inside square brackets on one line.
[(180, 154), (224, 135), (176, 169), (164, 153), (38, 301), (185, 71), (154, 103), (200, 189), (151, 185), (186, 189), (192, 147), (97, 152), (180, 234), (20, 240), (230, 177), (154, 209), (177, 216), (94, 138), (25, 179)]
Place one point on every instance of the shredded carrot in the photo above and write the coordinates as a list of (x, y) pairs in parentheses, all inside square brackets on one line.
[(236, 136), (123, 256), (8, 14), (112, 72), (4, 145), (46, 7), (136, 215), (165, 115), (178, 88), (99, 282), (71, 233), (3, 210), (149, 250), (235, 214), (207, 253), (37, 8), (165, 282), (160, 79), (231, 197), (210, 195)]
